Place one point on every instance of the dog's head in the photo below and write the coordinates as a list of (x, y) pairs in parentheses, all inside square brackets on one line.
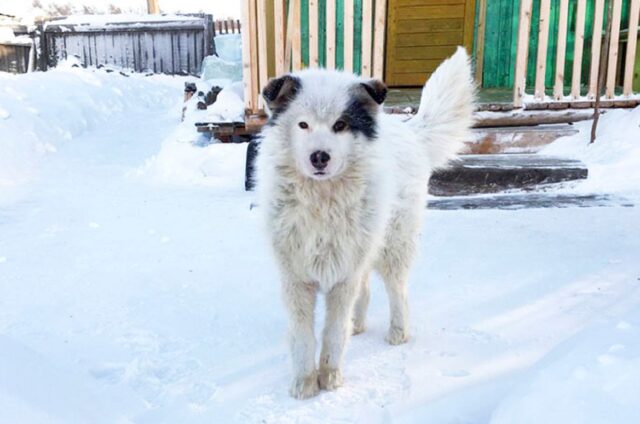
[(326, 117)]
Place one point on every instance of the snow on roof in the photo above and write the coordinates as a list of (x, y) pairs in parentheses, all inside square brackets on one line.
[(129, 20)]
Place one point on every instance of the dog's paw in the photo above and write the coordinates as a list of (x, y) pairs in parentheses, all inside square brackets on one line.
[(305, 387), (397, 335), (357, 328), (330, 378)]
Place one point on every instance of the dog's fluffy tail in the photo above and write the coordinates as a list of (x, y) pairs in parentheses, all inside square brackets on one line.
[(446, 109)]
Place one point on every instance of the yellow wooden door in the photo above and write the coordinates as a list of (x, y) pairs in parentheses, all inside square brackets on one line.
[(421, 34)]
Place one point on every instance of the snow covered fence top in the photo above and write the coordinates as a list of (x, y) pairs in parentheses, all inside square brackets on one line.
[(169, 44)]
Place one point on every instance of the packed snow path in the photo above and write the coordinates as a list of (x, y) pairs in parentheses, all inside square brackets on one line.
[(126, 298)]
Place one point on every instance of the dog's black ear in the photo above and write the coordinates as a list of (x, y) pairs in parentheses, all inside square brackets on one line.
[(376, 89), (279, 92)]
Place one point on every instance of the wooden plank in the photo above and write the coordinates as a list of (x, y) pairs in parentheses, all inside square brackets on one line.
[(331, 34), (543, 40), (417, 65), (263, 64), (431, 12), (558, 88), (288, 45), (296, 36), (482, 17), (247, 68), (596, 45), (632, 38), (430, 39), (367, 37), (522, 52), (435, 52), (380, 21), (578, 48), (469, 24), (613, 49), (348, 35), (279, 32), (407, 26), (313, 34)]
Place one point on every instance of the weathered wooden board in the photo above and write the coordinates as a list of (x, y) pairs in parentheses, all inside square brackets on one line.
[(162, 47)]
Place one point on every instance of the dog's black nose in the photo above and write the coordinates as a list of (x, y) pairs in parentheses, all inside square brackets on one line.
[(319, 159)]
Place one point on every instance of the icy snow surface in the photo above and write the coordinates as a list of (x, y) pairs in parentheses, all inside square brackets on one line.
[(135, 286)]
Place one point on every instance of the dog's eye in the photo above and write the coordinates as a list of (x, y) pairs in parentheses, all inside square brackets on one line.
[(303, 125), (339, 126)]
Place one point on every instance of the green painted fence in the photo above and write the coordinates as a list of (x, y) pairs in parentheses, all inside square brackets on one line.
[(322, 38), (501, 38)]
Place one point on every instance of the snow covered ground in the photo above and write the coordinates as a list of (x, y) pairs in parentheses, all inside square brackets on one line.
[(135, 286)]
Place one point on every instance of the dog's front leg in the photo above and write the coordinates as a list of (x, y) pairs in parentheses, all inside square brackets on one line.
[(300, 300), (337, 329)]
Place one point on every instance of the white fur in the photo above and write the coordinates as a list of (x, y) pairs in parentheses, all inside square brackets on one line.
[(329, 232)]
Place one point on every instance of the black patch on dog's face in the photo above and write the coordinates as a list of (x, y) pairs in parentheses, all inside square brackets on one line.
[(279, 93), (359, 118), (361, 112)]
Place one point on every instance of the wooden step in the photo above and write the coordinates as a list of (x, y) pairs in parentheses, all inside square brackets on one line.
[(474, 174), (526, 201)]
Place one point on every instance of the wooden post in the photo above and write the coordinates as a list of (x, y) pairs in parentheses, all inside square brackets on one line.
[(296, 34), (249, 71), (558, 89), (330, 56), (631, 47), (482, 17), (367, 37), (596, 45), (313, 34), (543, 39), (520, 78), (348, 35), (152, 7), (577, 51), (613, 49), (380, 22), (263, 61), (604, 52), (279, 39)]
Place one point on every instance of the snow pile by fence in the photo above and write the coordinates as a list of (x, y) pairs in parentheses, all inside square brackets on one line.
[(41, 111), (614, 159)]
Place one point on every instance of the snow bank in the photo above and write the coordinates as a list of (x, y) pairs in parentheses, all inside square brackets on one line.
[(42, 111), (593, 377), (613, 160)]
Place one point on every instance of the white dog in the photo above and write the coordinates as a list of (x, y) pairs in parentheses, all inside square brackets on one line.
[(342, 187)]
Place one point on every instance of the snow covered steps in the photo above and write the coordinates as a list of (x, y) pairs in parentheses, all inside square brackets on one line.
[(526, 201), (475, 174)]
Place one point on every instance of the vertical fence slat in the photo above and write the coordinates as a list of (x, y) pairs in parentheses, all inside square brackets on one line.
[(543, 40), (296, 34), (348, 35), (613, 49), (246, 57), (279, 8), (577, 50), (313, 33), (380, 22), (263, 64), (331, 34), (482, 18), (596, 45), (367, 36), (558, 89), (522, 52), (631, 47)]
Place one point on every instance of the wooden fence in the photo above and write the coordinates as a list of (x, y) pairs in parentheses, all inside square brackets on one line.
[(14, 57), (272, 40), (619, 66), (171, 46), (227, 26)]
